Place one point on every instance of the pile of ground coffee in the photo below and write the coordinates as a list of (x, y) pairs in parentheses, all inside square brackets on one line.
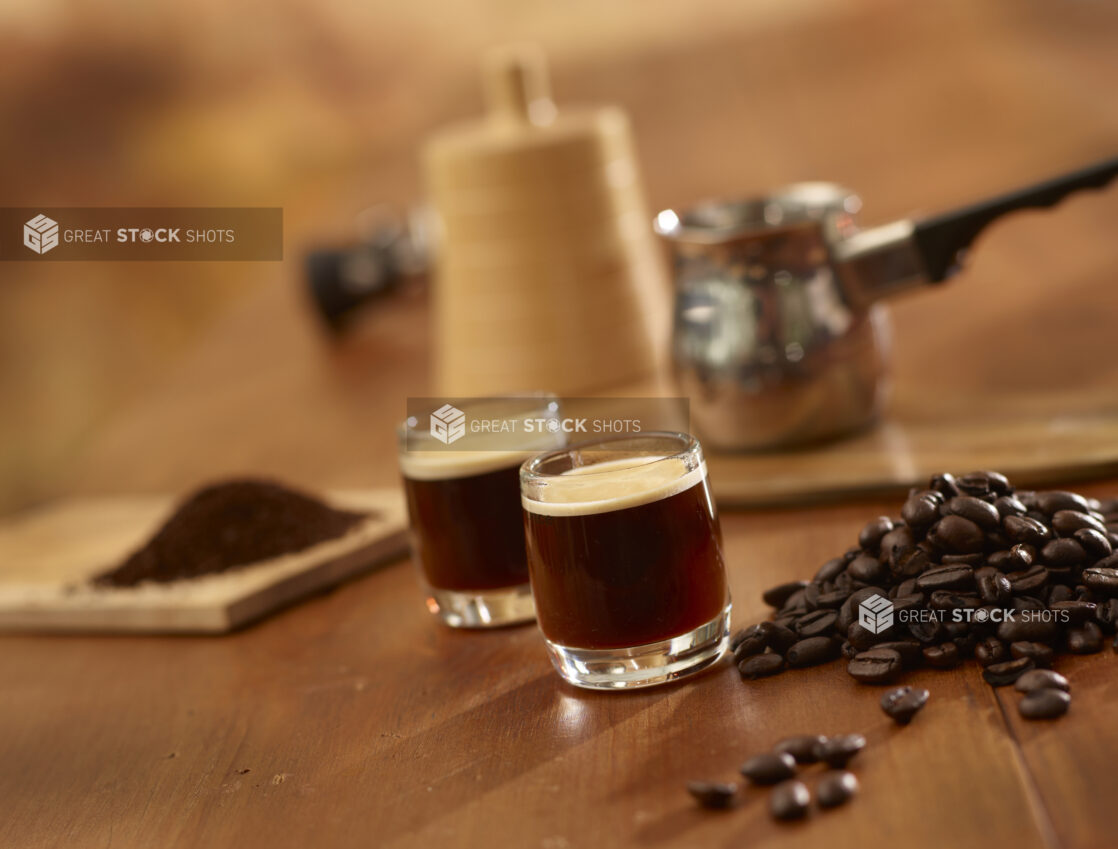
[(227, 525)]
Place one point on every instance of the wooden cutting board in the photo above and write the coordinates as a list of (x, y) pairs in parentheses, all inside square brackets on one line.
[(48, 555)]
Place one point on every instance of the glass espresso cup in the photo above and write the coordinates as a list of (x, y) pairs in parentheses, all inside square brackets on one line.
[(467, 527), (625, 558)]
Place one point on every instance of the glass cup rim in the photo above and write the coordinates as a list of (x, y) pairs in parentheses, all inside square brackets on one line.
[(529, 471), (541, 395)]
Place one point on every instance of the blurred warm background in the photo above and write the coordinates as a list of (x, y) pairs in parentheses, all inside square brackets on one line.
[(319, 107)]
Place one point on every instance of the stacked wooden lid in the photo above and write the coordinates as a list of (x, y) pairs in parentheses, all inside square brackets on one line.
[(548, 276)]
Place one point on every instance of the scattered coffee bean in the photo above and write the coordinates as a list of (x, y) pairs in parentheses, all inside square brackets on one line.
[(801, 747), (837, 751), (761, 666), (1053, 501), (943, 656), (1024, 529), (982, 513), (1007, 672), (778, 595), (1095, 543), (946, 578), (1047, 703), (835, 788), (956, 534), (715, 795), (875, 529), (812, 652), (1039, 653), (903, 703), (1074, 612), (990, 651), (876, 666), (1102, 578), (817, 623), (1086, 639), (790, 800), (1039, 679), (769, 768)]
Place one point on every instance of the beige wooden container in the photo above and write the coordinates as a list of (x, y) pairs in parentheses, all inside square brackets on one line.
[(547, 273)]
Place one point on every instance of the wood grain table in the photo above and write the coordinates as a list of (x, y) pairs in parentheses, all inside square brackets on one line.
[(355, 721)]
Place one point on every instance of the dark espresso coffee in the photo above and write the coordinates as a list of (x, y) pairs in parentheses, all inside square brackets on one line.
[(467, 528), (635, 559)]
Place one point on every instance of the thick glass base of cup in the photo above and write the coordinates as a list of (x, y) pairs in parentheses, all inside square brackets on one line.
[(647, 665), (482, 608)]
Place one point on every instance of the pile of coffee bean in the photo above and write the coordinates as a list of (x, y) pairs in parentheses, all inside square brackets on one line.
[(790, 798), (970, 568)]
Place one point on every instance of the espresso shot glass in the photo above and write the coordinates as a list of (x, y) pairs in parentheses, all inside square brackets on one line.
[(625, 557), (466, 523)]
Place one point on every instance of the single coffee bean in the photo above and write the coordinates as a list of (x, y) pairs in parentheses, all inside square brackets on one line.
[(903, 703), (817, 623), (837, 751), (769, 768), (982, 513), (948, 600), (1086, 639), (1048, 703), (1104, 579), (867, 569), (1038, 679), (778, 595), (956, 534), (1060, 592), (1106, 615), (943, 656), (789, 801), (925, 630), (849, 650), (1095, 543), (1023, 603), (990, 651), (830, 570), (779, 637), (811, 596), (739, 636), (1028, 630), (911, 652), (897, 544), (972, 560), (1007, 505), (944, 484), (946, 578), (983, 482), (863, 639), (1005, 673), (761, 666), (1029, 580), (797, 603), (1063, 552), (876, 666), (715, 795), (921, 509), (801, 747), (1018, 558), (1023, 529), (870, 536), (749, 647), (1040, 654), (1067, 522), (812, 652), (911, 563), (994, 588), (832, 600), (1073, 612), (835, 788), (1054, 500)]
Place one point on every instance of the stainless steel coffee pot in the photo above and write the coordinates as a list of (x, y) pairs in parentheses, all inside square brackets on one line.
[(778, 336)]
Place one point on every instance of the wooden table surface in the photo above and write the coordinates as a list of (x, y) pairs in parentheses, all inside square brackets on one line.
[(354, 720)]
